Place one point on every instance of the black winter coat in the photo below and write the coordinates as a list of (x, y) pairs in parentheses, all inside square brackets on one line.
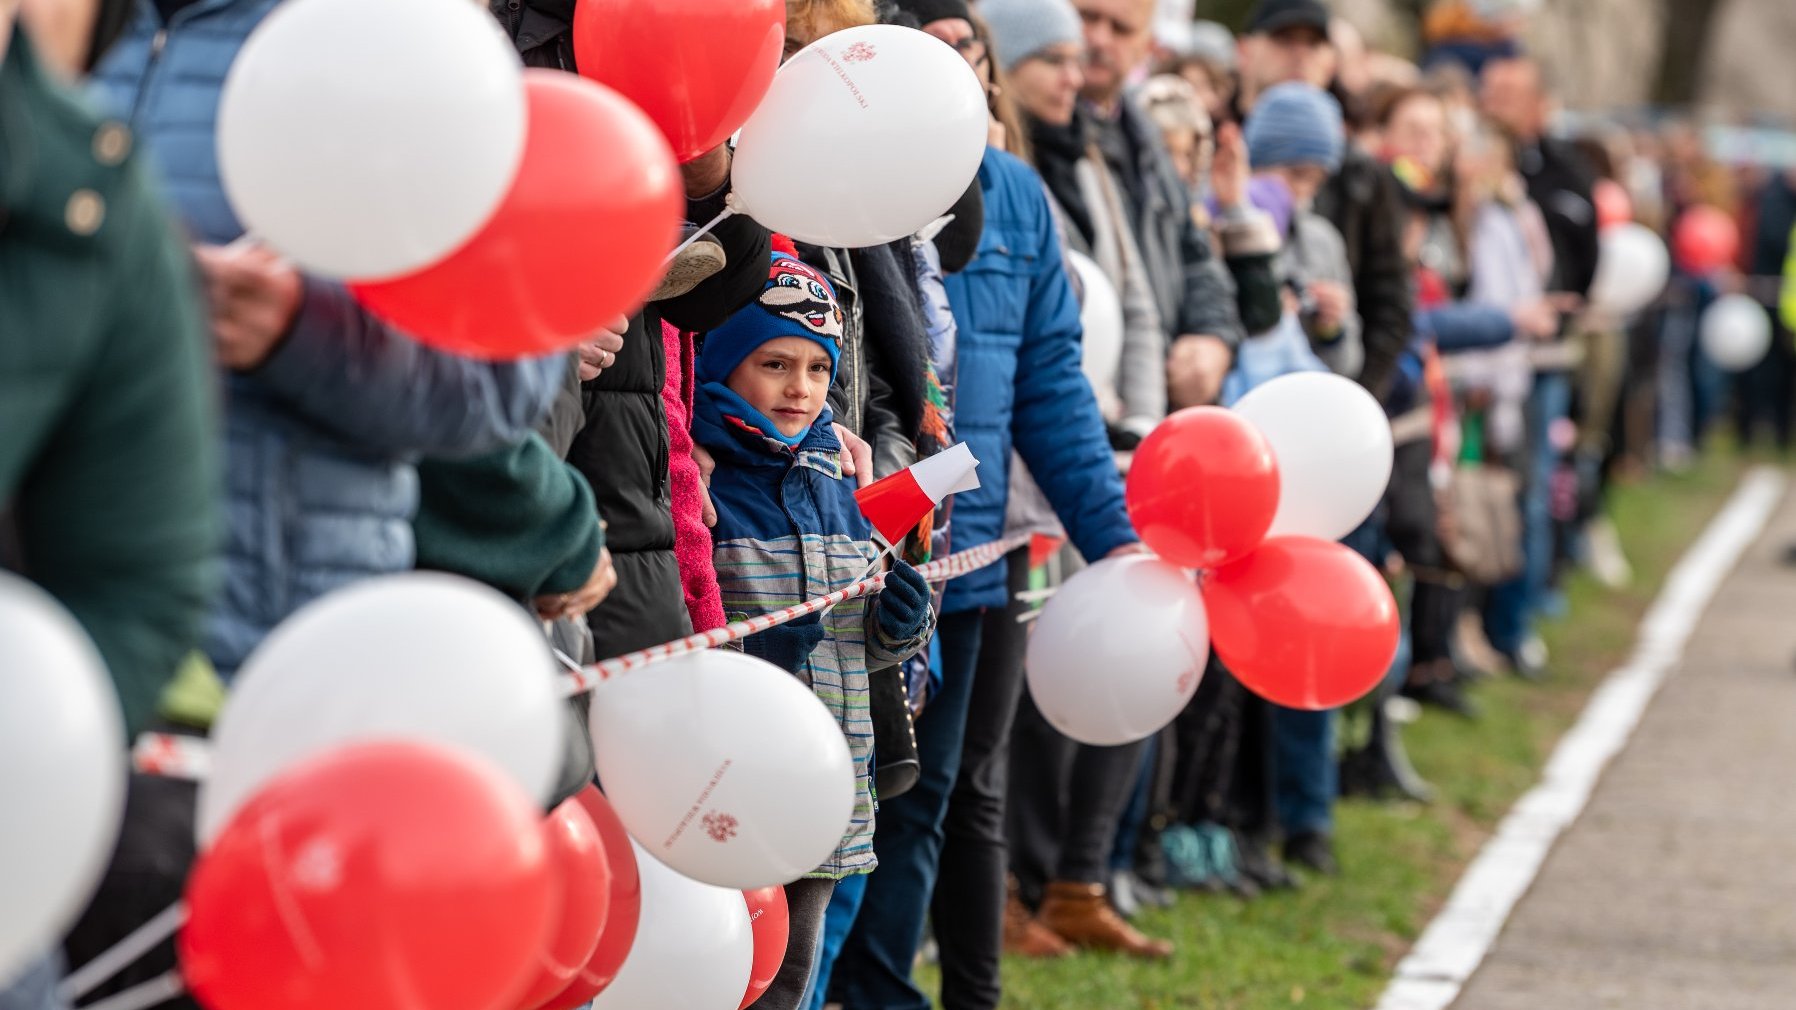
[(1560, 181), (623, 447), (879, 389), (1365, 201)]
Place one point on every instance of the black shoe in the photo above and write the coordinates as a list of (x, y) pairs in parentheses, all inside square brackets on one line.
[(1314, 850), (1259, 866), (1445, 695)]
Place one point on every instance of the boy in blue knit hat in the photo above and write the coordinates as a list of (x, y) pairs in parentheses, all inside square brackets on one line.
[(788, 530)]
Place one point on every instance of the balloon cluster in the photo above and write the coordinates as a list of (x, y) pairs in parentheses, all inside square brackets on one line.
[(1254, 499), (380, 769), (372, 833), (499, 213)]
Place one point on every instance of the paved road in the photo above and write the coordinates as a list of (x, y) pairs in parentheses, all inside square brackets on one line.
[(1676, 890)]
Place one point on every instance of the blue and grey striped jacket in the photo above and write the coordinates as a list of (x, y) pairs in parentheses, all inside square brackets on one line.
[(788, 530)]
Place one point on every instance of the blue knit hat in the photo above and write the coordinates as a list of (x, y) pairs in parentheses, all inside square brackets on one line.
[(1023, 28), (796, 302), (1295, 124)]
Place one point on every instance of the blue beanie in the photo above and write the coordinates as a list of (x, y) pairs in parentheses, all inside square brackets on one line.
[(1023, 28), (796, 302), (1295, 124)]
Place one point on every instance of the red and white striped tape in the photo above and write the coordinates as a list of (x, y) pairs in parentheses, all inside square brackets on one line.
[(951, 567), (189, 757)]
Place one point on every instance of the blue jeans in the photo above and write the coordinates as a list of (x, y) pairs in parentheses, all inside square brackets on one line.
[(35, 987), (1306, 779), (844, 910), (1512, 607), (873, 971)]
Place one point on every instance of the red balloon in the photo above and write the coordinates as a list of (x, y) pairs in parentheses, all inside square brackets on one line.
[(1613, 205), (1706, 240), (584, 877), (625, 906), (396, 874), (1303, 622), (1203, 487), (697, 67), (771, 921), (578, 241)]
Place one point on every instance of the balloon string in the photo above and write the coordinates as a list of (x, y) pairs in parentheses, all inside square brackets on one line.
[(160, 989), (122, 954), (701, 233)]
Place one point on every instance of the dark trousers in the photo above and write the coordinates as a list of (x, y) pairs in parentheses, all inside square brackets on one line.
[(806, 903), (968, 907), (1209, 742), (1066, 800), (874, 969)]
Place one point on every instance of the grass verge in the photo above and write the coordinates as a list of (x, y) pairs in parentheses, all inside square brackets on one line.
[(1334, 943)]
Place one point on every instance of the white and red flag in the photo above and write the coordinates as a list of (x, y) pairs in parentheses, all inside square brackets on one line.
[(898, 503)]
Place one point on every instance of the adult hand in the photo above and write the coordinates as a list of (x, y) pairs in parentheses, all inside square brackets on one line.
[(253, 295), (1333, 304), (577, 603), (706, 174), (1195, 370), (1536, 320), (1126, 551), (1228, 170), (857, 456), (706, 465), (600, 352)]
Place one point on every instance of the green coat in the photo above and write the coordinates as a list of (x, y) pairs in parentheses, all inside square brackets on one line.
[(108, 451)]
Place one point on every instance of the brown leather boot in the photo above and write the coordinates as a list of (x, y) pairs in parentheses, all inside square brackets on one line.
[(1082, 916), (1026, 937)]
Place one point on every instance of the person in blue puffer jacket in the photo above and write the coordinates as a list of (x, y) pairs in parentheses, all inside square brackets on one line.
[(1019, 384), (326, 408)]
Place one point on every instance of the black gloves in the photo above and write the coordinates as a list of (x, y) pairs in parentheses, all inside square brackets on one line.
[(903, 604)]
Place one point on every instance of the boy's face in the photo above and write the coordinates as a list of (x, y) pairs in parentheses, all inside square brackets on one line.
[(787, 379)]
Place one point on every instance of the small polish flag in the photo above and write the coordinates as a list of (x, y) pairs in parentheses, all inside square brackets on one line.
[(898, 503)]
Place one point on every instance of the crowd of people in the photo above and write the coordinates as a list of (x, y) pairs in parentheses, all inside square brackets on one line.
[(197, 439)]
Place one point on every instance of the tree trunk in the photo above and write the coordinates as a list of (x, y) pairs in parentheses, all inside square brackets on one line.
[(1688, 27)]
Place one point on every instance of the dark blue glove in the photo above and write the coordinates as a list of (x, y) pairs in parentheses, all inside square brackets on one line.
[(788, 645), (903, 604)]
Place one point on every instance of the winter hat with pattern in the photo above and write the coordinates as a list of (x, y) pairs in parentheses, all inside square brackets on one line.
[(796, 301), (1023, 28)]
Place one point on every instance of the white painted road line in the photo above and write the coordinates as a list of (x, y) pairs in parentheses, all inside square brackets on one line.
[(1456, 942)]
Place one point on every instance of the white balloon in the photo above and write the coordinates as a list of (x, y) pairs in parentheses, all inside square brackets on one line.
[(62, 741), (1334, 451), (1101, 316), (1118, 650), (1632, 269), (370, 138), (725, 767), (421, 656), (694, 947), (1736, 332), (864, 137)]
